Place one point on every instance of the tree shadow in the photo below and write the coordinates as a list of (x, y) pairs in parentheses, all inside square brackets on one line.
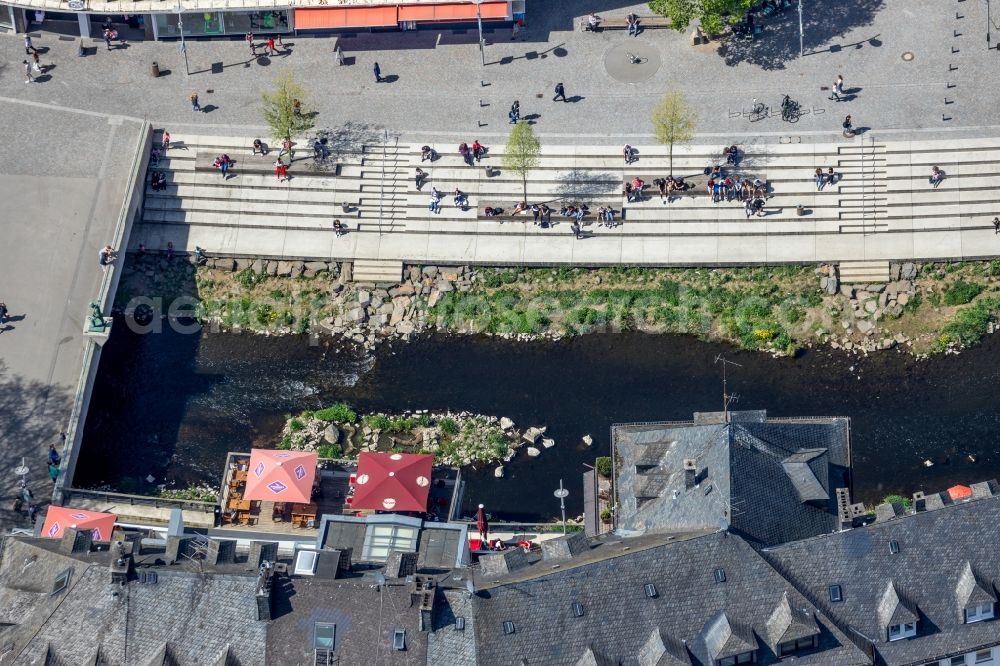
[(33, 414), (343, 141), (779, 43), (582, 184)]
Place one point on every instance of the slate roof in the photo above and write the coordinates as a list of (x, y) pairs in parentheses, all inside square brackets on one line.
[(691, 611), (447, 645), (186, 617), (364, 614), (942, 562), (770, 480)]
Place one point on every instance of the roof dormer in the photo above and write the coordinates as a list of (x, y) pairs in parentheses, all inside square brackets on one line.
[(897, 615), (975, 596)]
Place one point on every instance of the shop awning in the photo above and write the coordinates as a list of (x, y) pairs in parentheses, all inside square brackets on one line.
[(58, 518), (452, 11), (345, 17)]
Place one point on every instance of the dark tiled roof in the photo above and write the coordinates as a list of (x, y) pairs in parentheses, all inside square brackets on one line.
[(192, 617), (447, 645), (942, 557), (365, 616), (772, 481), (618, 619)]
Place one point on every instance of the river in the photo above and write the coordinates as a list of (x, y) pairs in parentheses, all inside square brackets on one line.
[(171, 405)]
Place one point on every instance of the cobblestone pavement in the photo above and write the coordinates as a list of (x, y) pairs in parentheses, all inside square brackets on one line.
[(437, 87)]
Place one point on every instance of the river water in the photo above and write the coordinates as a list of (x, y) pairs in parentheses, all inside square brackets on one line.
[(172, 405)]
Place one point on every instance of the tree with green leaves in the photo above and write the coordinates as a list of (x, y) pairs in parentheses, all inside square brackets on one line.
[(279, 109), (674, 122), (713, 14), (521, 153)]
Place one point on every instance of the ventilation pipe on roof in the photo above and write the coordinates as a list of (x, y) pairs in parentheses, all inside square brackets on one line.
[(690, 473)]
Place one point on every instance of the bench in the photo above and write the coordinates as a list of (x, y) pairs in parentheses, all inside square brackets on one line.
[(645, 22)]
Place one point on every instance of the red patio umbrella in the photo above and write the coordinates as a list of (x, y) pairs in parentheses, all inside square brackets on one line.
[(959, 492), (393, 481), (482, 524), (280, 476), (58, 518)]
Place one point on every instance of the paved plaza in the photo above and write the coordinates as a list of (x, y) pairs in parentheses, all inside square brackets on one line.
[(435, 87), (60, 206)]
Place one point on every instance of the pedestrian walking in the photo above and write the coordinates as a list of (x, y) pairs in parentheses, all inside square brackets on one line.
[(996, 230), (535, 211), (339, 228), (515, 112), (29, 48), (574, 226), (378, 73), (270, 46), (32, 513), (463, 150), (36, 64), (3, 316), (420, 178), (53, 455), (280, 42), (848, 127), (936, 176), (560, 92), (222, 163), (27, 72), (250, 42), (435, 201), (819, 178), (515, 29), (166, 141), (53, 472), (107, 37), (106, 257), (546, 216), (281, 170), (195, 106)]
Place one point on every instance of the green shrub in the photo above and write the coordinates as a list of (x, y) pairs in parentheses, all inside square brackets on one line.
[(449, 426), (604, 467), (331, 451), (424, 420), (295, 425), (265, 314), (961, 292), (971, 323), (248, 279), (376, 421), (492, 280), (995, 267), (897, 499), (337, 412), (606, 515), (286, 442)]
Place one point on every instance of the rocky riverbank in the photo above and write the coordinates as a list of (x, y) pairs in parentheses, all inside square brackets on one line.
[(457, 439), (923, 309)]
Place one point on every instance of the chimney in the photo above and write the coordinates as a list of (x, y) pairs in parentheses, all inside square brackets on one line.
[(76, 540), (422, 596), (221, 551), (263, 596), (919, 503), (690, 473), (176, 547), (260, 552), (844, 508), (120, 561), (345, 559), (400, 565)]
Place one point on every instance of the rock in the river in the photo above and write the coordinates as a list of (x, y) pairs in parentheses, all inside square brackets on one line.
[(908, 271), (864, 326), (548, 443), (533, 452), (331, 434), (532, 434), (405, 328), (498, 472), (588, 440), (903, 298), (506, 423), (430, 271), (358, 315)]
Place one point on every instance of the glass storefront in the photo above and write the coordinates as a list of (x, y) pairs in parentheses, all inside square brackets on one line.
[(208, 24), (6, 18)]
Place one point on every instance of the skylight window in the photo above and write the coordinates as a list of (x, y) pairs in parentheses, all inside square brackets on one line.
[(836, 594), (720, 575), (61, 581), (650, 590), (459, 623), (578, 609), (508, 627), (893, 547), (399, 639), (324, 635), (305, 563)]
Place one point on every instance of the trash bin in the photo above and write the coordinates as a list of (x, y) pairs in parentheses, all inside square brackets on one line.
[(155, 70), (346, 207), (800, 210), (489, 171)]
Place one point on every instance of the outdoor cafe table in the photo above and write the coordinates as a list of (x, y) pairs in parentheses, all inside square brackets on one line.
[(303, 512)]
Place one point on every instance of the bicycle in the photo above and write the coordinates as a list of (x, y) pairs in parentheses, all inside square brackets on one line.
[(634, 59), (758, 111), (790, 110)]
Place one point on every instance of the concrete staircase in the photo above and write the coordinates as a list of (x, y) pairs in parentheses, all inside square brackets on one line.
[(377, 271), (861, 272), (863, 201), (383, 186)]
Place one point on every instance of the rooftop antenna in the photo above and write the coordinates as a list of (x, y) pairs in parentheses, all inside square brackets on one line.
[(726, 398)]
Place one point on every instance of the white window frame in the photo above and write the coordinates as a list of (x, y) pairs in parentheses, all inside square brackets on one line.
[(978, 613), (305, 563), (952, 662), (988, 652), (904, 630)]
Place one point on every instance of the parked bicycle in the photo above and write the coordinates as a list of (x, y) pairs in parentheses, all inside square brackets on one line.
[(790, 110), (758, 110)]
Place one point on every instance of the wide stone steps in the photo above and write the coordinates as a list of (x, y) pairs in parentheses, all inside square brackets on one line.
[(377, 271), (858, 272)]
